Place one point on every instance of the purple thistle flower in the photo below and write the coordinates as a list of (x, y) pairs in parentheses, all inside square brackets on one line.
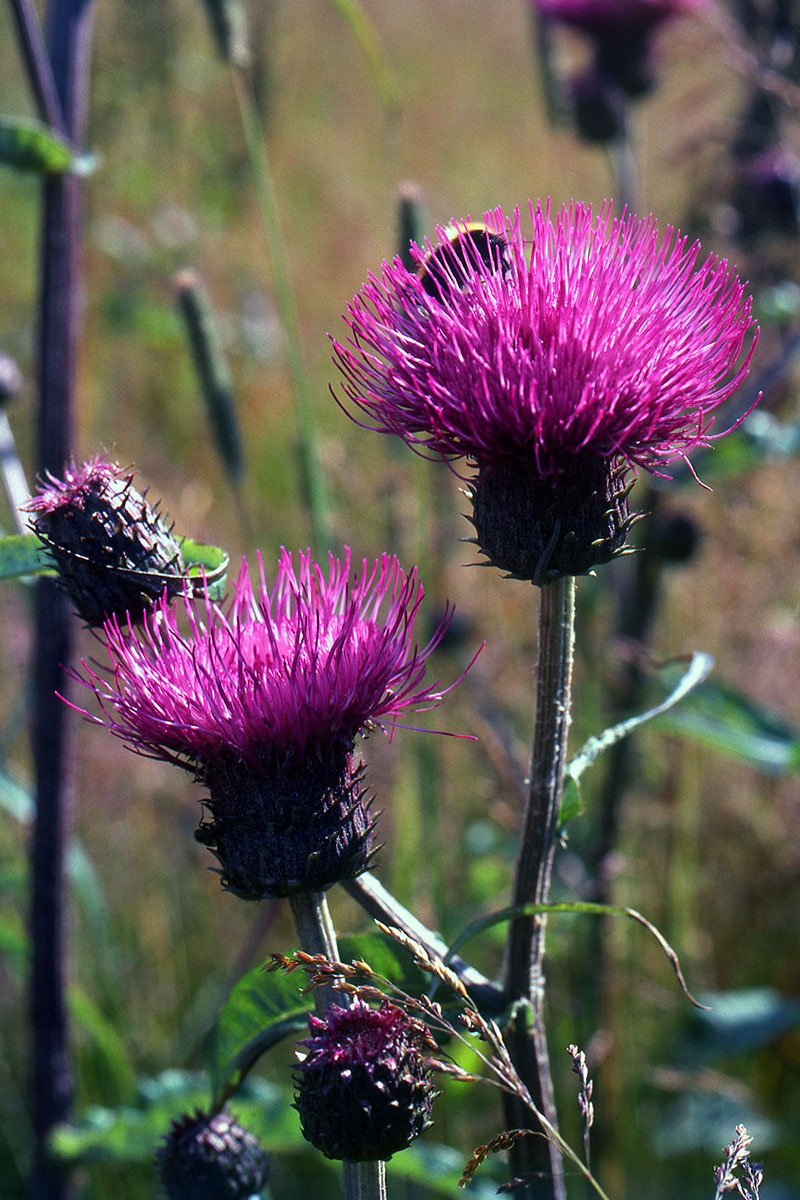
[(264, 703), (114, 552), (609, 345), (364, 1090)]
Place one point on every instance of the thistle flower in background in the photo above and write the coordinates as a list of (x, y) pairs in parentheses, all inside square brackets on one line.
[(364, 1090), (114, 552), (264, 703), (211, 1158), (621, 32), (609, 347)]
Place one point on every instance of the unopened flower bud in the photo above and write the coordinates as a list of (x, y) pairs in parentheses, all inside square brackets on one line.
[(114, 552), (211, 1158), (364, 1090)]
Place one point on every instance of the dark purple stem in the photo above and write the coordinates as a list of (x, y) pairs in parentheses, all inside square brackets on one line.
[(37, 63), (537, 1159), (69, 37)]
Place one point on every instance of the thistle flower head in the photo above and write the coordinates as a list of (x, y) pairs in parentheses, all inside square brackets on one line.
[(264, 703), (610, 344), (114, 552), (211, 1158), (363, 1090)]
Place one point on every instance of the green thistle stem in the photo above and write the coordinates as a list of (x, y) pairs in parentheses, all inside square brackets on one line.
[(365, 1180), (315, 932), (312, 477), (523, 974)]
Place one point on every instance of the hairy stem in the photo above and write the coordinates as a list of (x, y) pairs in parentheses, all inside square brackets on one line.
[(364, 1180), (524, 963), (69, 39)]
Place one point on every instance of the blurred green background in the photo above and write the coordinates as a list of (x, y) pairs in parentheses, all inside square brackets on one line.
[(709, 847)]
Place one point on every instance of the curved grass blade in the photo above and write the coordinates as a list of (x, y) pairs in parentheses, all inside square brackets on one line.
[(585, 907)]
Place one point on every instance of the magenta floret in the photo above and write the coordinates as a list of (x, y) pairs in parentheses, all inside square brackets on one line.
[(609, 339), (307, 664)]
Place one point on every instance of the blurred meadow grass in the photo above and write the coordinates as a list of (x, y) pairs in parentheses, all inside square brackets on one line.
[(709, 848)]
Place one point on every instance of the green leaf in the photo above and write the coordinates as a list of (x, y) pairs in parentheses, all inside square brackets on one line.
[(263, 1008), (23, 554), (699, 669), (703, 1121), (18, 802), (14, 944), (437, 1168), (722, 717), (583, 907), (131, 1134), (739, 1021), (30, 146), (385, 957), (206, 563), (15, 800), (118, 1072)]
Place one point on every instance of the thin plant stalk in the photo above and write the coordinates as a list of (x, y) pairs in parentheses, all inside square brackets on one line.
[(365, 1180), (313, 480), (524, 963), (37, 62), (69, 40), (315, 931)]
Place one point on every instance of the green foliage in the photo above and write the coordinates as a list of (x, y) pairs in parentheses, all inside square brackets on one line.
[(23, 554), (131, 1134), (699, 668), (266, 1007), (30, 146), (728, 721), (261, 1011), (741, 1021)]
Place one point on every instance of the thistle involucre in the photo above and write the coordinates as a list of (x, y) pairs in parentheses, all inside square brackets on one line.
[(608, 345), (114, 552), (264, 703), (363, 1089), (211, 1158)]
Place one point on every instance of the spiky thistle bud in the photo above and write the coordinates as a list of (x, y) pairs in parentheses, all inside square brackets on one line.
[(211, 1158), (114, 552), (364, 1090)]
